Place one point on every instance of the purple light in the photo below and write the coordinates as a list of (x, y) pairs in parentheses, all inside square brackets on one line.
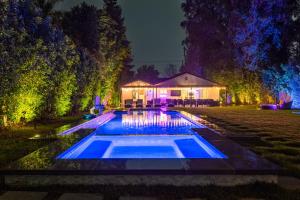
[(268, 106)]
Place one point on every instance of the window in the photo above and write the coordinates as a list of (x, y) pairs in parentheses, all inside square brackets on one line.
[(175, 93)]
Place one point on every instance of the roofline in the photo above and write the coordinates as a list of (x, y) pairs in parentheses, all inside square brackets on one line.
[(172, 77), (135, 81), (179, 86), (176, 75)]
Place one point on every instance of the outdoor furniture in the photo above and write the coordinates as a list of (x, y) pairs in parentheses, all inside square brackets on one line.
[(179, 102), (128, 103), (149, 104), (193, 102), (286, 105), (157, 103), (175, 102), (139, 103), (268, 106), (186, 102), (170, 103), (199, 102), (208, 102)]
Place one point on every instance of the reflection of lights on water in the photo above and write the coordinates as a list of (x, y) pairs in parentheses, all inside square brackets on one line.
[(147, 119)]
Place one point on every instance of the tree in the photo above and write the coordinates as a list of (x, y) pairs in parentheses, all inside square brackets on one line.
[(170, 70), (286, 80), (147, 73), (81, 24), (115, 50), (46, 5), (258, 34), (207, 45), (36, 63)]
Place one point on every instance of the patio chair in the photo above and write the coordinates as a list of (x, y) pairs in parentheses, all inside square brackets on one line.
[(128, 103), (139, 103), (216, 103), (210, 102), (179, 102), (157, 103), (149, 104), (186, 102), (170, 103), (175, 102), (199, 102), (193, 102)]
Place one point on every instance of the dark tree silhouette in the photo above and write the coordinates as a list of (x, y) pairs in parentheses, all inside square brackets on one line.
[(81, 24), (147, 73)]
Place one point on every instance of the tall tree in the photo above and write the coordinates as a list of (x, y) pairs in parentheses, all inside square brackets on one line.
[(207, 45), (211, 49), (115, 50), (147, 73), (258, 35), (81, 24), (170, 70), (46, 5)]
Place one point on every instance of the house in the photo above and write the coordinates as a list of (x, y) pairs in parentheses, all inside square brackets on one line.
[(181, 86)]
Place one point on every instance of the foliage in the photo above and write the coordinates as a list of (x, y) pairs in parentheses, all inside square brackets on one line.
[(29, 93), (226, 39), (207, 45), (36, 63), (114, 49), (170, 70), (243, 86), (286, 80), (47, 74), (88, 75), (147, 73), (258, 33), (81, 24), (45, 5)]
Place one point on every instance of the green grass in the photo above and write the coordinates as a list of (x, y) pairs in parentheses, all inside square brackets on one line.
[(15, 141), (274, 135)]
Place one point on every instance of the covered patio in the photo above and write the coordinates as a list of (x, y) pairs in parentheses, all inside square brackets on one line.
[(181, 90)]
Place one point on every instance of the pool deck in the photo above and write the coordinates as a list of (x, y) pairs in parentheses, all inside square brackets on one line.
[(40, 168)]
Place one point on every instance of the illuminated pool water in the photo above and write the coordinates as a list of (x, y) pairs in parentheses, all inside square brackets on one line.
[(144, 134), (147, 122)]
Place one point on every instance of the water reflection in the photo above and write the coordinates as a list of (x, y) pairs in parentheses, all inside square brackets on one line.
[(151, 119)]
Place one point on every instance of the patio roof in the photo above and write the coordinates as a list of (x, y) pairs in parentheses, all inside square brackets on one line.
[(138, 83), (179, 80), (187, 80)]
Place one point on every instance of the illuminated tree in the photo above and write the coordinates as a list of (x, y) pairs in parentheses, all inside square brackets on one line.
[(115, 50), (259, 34)]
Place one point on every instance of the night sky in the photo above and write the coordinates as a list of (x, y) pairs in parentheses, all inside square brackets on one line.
[(153, 27)]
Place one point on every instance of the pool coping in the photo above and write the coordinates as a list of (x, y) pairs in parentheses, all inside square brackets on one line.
[(240, 161)]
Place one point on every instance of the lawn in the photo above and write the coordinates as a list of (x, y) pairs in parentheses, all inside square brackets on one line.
[(275, 135), (17, 142)]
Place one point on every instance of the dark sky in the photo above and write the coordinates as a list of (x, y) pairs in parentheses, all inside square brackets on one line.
[(153, 27)]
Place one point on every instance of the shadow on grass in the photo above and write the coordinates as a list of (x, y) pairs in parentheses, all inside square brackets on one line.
[(256, 190)]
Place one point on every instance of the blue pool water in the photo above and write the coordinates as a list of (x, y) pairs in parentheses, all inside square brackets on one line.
[(144, 134), (146, 122)]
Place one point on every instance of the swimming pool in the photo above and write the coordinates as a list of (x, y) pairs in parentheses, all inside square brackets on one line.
[(144, 135)]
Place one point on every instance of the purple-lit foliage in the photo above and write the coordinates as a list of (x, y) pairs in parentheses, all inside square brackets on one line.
[(259, 33)]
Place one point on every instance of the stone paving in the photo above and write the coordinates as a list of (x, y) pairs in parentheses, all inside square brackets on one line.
[(80, 196), (19, 195), (16, 195)]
